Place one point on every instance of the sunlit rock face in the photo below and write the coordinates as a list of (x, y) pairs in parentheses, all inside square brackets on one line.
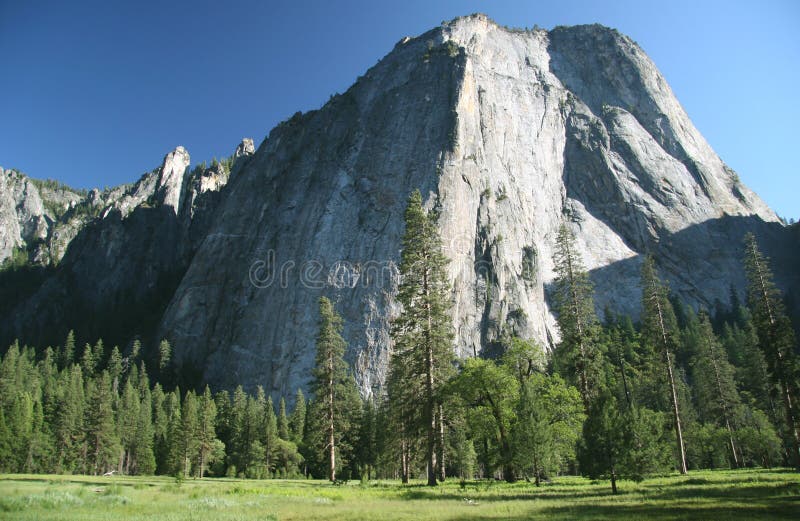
[(507, 134)]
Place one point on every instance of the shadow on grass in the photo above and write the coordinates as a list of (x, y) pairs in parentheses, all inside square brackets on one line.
[(692, 490), (763, 510)]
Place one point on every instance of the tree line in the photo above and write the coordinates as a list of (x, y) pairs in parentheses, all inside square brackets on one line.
[(679, 390)]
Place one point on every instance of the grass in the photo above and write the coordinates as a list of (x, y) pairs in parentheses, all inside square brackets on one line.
[(726, 495)]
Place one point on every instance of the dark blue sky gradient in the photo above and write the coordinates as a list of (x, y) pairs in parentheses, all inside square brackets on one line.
[(95, 93)]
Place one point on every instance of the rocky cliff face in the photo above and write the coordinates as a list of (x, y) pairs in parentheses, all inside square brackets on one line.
[(507, 133), (111, 259)]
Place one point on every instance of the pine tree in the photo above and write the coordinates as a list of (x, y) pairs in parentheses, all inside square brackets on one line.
[(173, 462), (189, 444), (115, 368), (283, 421), (297, 420), (160, 429), (144, 462), (659, 330), (68, 351), (334, 389), (422, 334), (775, 336), (206, 435), (101, 435), (68, 422), (164, 355), (269, 430), (714, 384), (574, 306), (127, 423)]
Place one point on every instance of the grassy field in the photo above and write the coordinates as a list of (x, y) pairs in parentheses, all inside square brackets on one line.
[(723, 495)]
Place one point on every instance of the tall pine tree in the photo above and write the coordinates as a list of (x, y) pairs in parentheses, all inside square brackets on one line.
[(660, 331), (775, 336), (422, 334), (574, 305), (334, 389)]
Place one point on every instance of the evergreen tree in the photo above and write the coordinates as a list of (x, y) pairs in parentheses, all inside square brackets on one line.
[(127, 422), (270, 428), (88, 361), (68, 351), (714, 384), (173, 462), (422, 333), (334, 390), (69, 427), (164, 354), (660, 331), (297, 420), (144, 462), (283, 421), (574, 305), (101, 435), (775, 336), (206, 436), (115, 368), (189, 445)]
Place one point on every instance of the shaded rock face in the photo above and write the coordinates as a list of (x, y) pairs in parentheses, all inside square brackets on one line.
[(124, 252), (508, 134)]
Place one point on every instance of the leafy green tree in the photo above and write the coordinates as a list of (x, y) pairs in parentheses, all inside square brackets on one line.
[(660, 332), (422, 333), (578, 352), (549, 417), (490, 393), (775, 336), (334, 390)]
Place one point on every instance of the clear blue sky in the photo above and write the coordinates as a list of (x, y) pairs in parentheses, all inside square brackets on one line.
[(95, 93)]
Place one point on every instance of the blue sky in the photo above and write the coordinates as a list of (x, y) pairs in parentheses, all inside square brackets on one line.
[(95, 93)]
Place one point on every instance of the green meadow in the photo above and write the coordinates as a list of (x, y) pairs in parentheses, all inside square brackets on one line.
[(723, 495)]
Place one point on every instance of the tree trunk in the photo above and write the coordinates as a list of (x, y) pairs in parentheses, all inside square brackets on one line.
[(331, 427), (442, 468), (724, 405), (674, 394), (613, 481), (404, 460), (430, 408)]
